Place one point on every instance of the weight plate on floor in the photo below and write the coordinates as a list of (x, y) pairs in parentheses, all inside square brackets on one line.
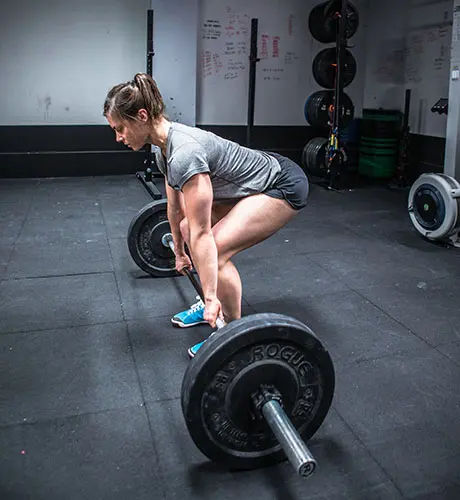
[(237, 359), (144, 240), (325, 68), (434, 205)]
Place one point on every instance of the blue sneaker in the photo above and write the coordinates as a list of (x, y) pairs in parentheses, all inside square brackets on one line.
[(190, 317), (194, 349)]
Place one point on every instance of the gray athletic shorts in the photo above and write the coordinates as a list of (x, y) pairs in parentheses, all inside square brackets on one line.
[(291, 184)]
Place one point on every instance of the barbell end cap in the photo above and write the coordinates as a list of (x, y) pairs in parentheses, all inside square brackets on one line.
[(307, 469), (167, 241)]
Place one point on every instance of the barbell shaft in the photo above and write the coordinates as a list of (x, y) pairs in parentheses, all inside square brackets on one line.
[(296, 450), (167, 240)]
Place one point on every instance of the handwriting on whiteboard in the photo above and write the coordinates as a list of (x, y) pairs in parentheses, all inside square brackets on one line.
[(211, 63), (276, 46), (241, 47), (237, 24), (264, 46), (230, 49), (427, 54), (217, 62), (291, 25), (211, 29), (206, 63), (269, 46), (236, 65), (272, 74), (290, 58), (226, 47)]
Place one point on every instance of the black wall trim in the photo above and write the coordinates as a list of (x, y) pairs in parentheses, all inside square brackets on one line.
[(64, 151), (89, 150), (427, 153), (70, 164), (287, 138), (24, 139)]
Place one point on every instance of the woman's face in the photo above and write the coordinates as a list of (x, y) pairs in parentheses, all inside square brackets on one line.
[(132, 133)]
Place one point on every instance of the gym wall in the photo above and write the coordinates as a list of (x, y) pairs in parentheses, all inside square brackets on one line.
[(409, 48), (58, 61), (59, 58)]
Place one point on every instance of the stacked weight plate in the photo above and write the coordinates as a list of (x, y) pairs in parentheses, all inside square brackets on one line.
[(324, 68), (322, 23), (314, 157), (319, 106)]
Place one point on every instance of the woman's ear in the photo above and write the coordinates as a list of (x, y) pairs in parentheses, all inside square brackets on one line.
[(142, 115)]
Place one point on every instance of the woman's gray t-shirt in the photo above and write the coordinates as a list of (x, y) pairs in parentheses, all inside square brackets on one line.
[(235, 171)]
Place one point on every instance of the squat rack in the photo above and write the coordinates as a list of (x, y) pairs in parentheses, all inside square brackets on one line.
[(151, 171)]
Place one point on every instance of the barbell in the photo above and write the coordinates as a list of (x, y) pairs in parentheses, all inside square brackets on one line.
[(259, 387)]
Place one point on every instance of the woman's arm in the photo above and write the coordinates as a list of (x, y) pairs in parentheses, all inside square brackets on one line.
[(198, 197), (175, 213)]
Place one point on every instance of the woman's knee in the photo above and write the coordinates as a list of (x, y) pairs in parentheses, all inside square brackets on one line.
[(184, 230), (222, 261), (223, 254)]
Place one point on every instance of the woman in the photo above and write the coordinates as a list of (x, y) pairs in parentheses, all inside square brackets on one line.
[(222, 197)]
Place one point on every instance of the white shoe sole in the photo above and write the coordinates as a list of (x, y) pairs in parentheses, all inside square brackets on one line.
[(183, 325)]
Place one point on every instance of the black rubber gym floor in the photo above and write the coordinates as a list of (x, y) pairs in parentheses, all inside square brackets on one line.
[(91, 368)]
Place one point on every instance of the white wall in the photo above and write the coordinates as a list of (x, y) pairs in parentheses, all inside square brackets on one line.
[(384, 64), (409, 44), (59, 58), (175, 61)]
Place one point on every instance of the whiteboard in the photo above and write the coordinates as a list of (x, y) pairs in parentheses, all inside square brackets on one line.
[(427, 65)]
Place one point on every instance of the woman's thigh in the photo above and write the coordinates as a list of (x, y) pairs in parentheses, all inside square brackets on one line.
[(250, 221), (220, 210)]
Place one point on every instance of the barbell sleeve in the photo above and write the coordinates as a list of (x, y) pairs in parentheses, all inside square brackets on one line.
[(296, 450), (167, 241)]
